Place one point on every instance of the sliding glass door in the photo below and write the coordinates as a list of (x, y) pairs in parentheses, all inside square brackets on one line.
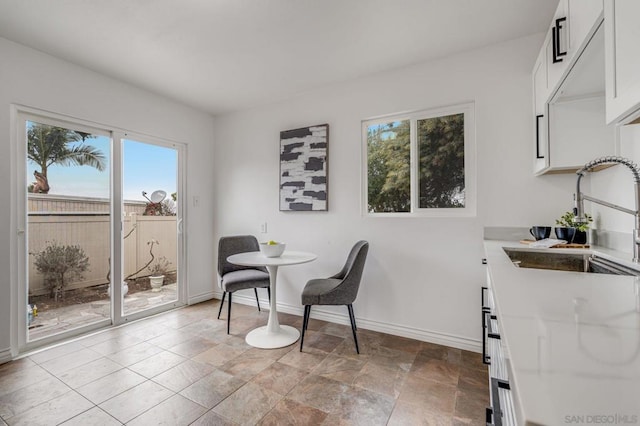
[(151, 220), (68, 227), (99, 233)]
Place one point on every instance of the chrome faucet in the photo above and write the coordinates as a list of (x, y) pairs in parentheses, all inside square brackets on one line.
[(579, 197)]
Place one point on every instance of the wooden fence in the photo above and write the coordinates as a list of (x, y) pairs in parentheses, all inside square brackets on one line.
[(91, 231), (66, 203)]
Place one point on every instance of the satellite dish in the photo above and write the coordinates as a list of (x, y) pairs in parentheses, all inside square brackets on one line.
[(158, 196)]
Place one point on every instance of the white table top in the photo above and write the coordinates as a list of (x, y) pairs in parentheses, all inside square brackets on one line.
[(255, 258), (573, 339)]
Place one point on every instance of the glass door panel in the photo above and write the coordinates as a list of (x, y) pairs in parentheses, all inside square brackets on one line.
[(68, 232), (150, 226)]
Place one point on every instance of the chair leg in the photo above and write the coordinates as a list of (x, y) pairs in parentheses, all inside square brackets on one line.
[(257, 300), (269, 293), (224, 293), (305, 321), (352, 317), (229, 313)]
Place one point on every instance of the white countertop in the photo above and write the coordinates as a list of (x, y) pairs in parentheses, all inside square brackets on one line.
[(573, 340)]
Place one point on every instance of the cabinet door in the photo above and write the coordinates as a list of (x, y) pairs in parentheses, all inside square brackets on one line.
[(622, 57), (557, 45), (583, 15), (540, 95)]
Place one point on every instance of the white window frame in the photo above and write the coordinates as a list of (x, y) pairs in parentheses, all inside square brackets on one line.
[(470, 167)]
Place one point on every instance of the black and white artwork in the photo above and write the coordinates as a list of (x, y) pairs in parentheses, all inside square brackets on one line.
[(303, 168)]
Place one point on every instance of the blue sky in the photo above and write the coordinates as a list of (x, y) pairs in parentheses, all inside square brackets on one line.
[(146, 168)]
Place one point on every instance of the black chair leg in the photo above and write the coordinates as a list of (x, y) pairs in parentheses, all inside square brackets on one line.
[(257, 300), (224, 293), (352, 317), (305, 321), (269, 293), (229, 313)]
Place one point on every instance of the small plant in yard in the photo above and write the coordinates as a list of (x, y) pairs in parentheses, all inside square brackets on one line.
[(60, 265), (568, 220), (159, 266)]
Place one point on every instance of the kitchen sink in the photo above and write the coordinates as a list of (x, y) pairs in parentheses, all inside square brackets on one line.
[(587, 262)]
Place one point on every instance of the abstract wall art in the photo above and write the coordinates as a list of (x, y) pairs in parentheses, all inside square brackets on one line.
[(303, 168)]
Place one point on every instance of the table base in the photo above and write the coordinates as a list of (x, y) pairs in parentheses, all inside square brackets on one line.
[(261, 338)]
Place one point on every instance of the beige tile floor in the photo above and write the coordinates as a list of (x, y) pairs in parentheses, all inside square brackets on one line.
[(181, 368)]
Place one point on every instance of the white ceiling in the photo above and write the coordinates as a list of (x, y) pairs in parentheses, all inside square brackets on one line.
[(226, 55)]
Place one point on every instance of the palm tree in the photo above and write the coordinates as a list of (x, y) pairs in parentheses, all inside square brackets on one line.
[(47, 145)]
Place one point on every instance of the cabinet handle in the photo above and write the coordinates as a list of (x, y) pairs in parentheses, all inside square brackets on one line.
[(488, 416), (538, 117), (482, 299), (559, 26), (495, 412), (555, 36), (486, 359), (485, 311), (490, 333)]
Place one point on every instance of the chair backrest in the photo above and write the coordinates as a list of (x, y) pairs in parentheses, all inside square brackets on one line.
[(228, 246), (351, 273)]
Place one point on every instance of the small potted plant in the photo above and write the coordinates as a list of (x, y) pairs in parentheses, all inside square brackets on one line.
[(157, 270), (572, 231)]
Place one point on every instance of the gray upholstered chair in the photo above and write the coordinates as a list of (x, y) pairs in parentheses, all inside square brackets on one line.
[(236, 277), (340, 289)]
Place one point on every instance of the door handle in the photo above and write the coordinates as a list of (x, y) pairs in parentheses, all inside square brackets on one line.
[(179, 226)]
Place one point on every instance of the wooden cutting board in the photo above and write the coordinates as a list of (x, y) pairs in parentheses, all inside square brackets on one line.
[(559, 245)]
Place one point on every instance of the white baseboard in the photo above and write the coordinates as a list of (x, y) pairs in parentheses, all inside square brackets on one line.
[(394, 329), (203, 297), (5, 355)]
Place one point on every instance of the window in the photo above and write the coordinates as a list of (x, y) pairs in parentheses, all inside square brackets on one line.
[(421, 163)]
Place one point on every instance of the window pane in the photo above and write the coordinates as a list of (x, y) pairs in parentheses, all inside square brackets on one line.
[(389, 170), (441, 167), (68, 229), (150, 239)]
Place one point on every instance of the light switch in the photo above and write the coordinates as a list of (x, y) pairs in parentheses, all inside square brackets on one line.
[(263, 227)]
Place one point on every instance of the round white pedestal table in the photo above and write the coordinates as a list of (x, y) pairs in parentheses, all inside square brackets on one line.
[(273, 335)]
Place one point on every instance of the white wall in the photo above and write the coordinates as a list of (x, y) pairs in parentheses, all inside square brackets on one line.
[(423, 276), (34, 79)]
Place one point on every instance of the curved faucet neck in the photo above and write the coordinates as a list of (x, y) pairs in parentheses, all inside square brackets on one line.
[(580, 197)]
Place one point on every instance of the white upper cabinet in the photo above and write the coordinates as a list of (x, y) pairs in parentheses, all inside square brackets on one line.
[(568, 91), (573, 24), (582, 14), (578, 132), (540, 94), (557, 44), (622, 53)]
